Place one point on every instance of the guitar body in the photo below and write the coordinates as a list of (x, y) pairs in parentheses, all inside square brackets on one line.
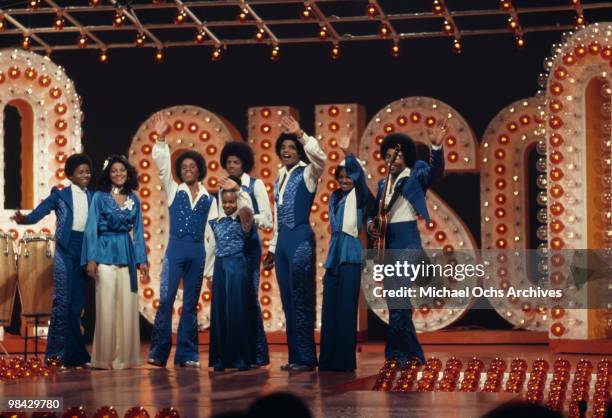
[(382, 219), (381, 222)]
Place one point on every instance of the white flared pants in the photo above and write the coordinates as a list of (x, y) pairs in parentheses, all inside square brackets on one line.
[(116, 343)]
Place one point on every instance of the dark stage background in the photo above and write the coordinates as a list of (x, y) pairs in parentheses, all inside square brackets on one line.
[(490, 74)]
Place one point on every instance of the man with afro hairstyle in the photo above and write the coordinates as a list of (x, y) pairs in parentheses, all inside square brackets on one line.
[(405, 200), (188, 255), (292, 249)]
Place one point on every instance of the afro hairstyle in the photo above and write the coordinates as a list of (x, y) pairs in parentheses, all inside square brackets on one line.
[(239, 149), (195, 156), (406, 144), (292, 137), (76, 160)]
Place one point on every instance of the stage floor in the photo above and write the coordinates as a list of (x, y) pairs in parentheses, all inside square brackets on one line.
[(200, 393)]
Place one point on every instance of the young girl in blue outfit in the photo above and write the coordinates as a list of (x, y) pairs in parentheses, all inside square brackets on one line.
[(347, 210), (230, 341), (112, 257), (238, 160), (71, 205)]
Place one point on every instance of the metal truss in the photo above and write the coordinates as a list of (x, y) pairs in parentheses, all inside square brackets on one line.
[(163, 24)]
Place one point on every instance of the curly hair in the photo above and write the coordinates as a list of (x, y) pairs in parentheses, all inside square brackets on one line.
[(293, 137), (239, 149), (104, 182), (74, 161), (406, 144), (192, 155)]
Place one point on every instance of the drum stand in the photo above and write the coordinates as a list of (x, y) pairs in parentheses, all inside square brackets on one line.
[(26, 337)]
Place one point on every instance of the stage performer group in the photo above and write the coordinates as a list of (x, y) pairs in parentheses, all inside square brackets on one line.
[(215, 237)]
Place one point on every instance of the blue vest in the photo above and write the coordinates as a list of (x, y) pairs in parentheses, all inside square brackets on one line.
[(229, 236), (186, 223), (250, 189), (297, 201)]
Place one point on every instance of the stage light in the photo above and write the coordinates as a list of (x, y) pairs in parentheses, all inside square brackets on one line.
[(512, 23), (448, 27), (594, 48), (216, 54), (33, 4), (395, 49), (103, 56), (557, 329), (384, 30), (119, 18), (26, 42), (371, 11), (200, 36), (243, 15), (520, 42), (323, 32), (307, 12), (260, 34), (180, 17), (580, 51), (159, 55), (82, 41), (335, 52), (506, 5), (580, 20), (274, 52), (140, 39), (44, 80), (2, 23), (138, 411), (58, 22), (437, 7), (94, 3), (457, 48)]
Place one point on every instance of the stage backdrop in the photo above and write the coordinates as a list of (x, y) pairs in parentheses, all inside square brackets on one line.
[(551, 135)]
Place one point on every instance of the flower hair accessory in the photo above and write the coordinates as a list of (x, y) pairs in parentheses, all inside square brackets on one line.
[(105, 164)]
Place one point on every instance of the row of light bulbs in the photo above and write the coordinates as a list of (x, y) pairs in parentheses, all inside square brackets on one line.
[(513, 22)]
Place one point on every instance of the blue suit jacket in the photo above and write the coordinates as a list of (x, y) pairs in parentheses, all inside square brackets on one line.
[(59, 201), (414, 187)]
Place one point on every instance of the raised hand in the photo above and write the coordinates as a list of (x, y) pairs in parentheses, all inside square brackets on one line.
[(228, 184), (437, 135), (160, 124), (345, 141), (290, 125), (18, 217)]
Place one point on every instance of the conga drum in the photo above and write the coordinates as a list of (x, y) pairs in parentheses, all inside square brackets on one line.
[(35, 274), (8, 278)]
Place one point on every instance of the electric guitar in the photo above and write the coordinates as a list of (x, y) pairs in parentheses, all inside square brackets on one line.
[(382, 218)]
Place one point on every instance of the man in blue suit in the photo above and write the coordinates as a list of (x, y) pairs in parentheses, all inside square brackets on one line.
[(71, 205), (405, 200)]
